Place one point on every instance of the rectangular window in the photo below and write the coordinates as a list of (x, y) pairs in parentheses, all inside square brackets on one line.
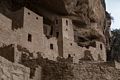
[(67, 22), (51, 32), (101, 46), (56, 21), (57, 34), (51, 46), (29, 37)]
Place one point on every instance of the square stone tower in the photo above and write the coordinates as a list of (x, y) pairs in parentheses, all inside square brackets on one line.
[(68, 48), (29, 29), (66, 36)]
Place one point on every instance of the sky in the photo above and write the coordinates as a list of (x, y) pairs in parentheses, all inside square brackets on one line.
[(113, 7)]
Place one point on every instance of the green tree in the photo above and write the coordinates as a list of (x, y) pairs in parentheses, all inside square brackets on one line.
[(115, 45)]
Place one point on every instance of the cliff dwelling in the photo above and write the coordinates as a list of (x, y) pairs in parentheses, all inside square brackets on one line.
[(41, 41)]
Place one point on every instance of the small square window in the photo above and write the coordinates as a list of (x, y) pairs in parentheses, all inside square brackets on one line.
[(66, 29), (28, 13), (51, 46), (37, 18), (69, 55), (29, 37)]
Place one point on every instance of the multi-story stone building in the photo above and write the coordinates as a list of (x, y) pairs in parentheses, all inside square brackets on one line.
[(27, 33)]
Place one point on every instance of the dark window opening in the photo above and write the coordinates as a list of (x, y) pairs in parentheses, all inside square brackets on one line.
[(56, 21), (66, 29), (69, 55), (67, 22), (87, 47), (57, 34), (51, 46), (101, 46), (51, 32), (77, 4), (71, 44), (37, 18), (103, 32), (28, 13), (29, 37)]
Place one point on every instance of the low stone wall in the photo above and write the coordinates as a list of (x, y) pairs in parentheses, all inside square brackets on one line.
[(95, 71), (82, 71), (13, 71)]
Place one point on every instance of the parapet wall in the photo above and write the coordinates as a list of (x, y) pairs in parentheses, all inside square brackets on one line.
[(13, 71)]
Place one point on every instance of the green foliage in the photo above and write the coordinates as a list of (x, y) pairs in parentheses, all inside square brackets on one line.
[(115, 44), (116, 32)]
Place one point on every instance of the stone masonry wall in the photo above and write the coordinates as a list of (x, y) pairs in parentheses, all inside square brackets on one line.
[(6, 36), (97, 53), (13, 71), (49, 53), (95, 71), (81, 71), (33, 26)]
